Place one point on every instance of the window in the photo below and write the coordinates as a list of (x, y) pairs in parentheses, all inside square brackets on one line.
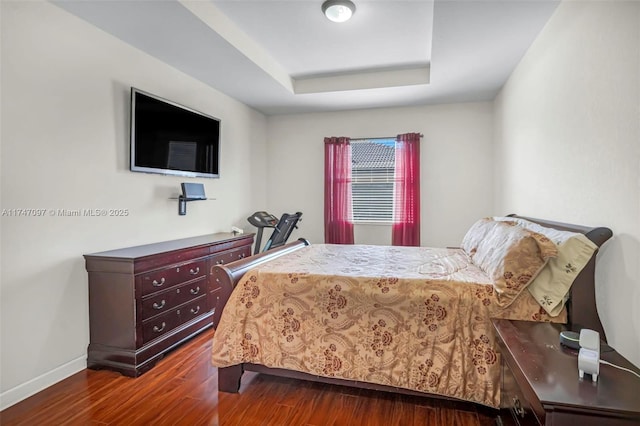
[(372, 178)]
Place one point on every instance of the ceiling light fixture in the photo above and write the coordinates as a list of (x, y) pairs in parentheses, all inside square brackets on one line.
[(338, 10)]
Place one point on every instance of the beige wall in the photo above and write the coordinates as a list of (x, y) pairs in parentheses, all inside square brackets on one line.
[(456, 166), (65, 94), (568, 144)]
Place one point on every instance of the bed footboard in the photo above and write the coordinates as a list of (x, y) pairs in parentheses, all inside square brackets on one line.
[(227, 276)]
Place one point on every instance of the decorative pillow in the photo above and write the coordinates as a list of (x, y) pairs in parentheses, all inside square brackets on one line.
[(551, 287), (510, 254)]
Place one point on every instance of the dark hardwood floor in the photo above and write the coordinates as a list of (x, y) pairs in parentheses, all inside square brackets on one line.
[(182, 390)]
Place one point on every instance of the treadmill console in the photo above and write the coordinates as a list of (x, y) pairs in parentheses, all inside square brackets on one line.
[(263, 220)]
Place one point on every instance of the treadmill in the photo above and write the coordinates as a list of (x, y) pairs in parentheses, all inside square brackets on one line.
[(282, 228)]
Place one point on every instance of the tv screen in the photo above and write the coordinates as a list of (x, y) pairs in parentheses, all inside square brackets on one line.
[(172, 139)]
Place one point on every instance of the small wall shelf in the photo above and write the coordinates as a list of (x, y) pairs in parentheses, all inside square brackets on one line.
[(190, 192)]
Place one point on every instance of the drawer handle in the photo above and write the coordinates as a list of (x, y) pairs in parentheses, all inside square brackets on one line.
[(242, 255), (195, 290), (158, 283), (196, 272), (160, 305), (195, 310), (159, 329), (220, 262), (517, 407)]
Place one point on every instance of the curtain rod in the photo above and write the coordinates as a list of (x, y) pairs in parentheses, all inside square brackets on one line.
[(385, 137)]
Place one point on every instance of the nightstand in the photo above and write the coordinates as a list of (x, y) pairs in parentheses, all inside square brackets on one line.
[(540, 384)]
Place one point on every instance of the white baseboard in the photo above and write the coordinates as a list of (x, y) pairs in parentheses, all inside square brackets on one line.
[(33, 386)]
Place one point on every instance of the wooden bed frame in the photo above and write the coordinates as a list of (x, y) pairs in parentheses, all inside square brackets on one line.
[(581, 307)]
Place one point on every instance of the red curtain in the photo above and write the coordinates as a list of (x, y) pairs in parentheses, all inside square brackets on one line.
[(338, 222), (406, 203)]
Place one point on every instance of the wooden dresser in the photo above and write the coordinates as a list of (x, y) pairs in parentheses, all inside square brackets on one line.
[(145, 300), (540, 384)]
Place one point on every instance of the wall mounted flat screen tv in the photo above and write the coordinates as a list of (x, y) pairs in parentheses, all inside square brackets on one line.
[(172, 139)]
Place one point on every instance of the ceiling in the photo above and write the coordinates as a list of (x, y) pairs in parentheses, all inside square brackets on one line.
[(284, 56)]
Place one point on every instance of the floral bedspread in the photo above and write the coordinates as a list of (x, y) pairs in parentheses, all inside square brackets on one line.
[(409, 317)]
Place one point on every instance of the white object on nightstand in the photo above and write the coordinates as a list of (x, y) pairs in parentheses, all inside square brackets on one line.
[(589, 355)]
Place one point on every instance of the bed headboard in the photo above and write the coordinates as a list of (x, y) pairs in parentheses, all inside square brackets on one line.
[(581, 306)]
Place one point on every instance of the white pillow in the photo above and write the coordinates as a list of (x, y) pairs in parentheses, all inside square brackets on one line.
[(508, 253)]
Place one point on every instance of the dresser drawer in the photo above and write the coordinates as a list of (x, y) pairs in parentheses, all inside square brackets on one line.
[(155, 281), (169, 299), (515, 407), (193, 309), (161, 324), (230, 256)]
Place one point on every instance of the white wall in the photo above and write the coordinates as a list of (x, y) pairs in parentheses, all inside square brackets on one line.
[(65, 94), (568, 144), (456, 166)]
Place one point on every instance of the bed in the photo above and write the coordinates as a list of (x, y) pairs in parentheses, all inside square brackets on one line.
[(414, 320)]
